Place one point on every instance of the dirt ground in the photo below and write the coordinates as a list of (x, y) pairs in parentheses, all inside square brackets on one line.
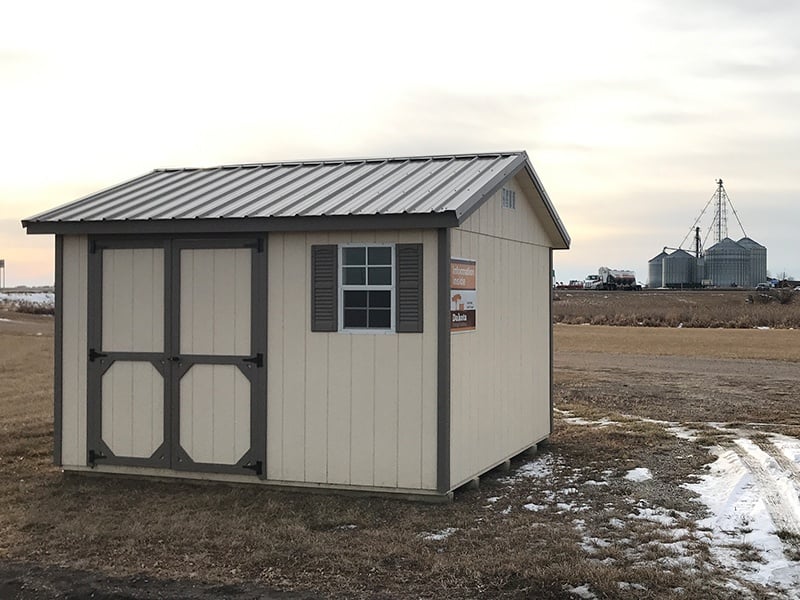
[(566, 523)]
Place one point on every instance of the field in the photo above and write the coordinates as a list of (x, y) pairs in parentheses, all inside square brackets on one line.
[(649, 422), (691, 308)]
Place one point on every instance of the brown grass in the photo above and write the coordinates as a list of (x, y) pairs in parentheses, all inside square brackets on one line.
[(693, 308), (357, 547), (778, 344)]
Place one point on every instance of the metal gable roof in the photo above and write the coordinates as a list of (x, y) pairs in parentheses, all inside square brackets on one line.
[(434, 190)]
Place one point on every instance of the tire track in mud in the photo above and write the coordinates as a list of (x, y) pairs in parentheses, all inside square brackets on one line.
[(779, 503)]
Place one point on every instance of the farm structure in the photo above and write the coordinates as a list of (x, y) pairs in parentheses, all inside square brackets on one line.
[(727, 263), (373, 325)]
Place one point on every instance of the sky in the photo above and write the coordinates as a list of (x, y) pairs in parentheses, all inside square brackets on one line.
[(629, 110)]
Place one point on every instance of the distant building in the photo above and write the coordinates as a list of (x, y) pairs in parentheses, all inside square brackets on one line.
[(725, 264)]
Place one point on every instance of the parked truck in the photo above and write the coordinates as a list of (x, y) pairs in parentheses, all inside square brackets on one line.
[(611, 279)]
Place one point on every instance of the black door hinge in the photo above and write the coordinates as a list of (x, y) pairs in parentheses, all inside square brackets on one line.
[(257, 360), (94, 354), (253, 466), (94, 456)]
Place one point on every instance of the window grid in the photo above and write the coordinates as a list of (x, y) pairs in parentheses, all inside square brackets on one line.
[(366, 289)]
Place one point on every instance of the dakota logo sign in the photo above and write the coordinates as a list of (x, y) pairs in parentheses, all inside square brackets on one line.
[(463, 294)]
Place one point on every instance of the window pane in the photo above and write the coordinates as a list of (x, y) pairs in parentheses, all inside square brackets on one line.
[(354, 275), (380, 318), (382, 299), (354, 317), (355, 299), (381, 255), (354, 256), (380, 275)]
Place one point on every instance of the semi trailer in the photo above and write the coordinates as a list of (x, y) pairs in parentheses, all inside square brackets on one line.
[(611, 279)]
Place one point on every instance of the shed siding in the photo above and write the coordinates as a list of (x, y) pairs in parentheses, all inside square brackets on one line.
[(335, 413), (500, 373), (74, 350)]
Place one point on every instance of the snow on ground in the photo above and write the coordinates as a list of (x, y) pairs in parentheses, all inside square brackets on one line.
[(440, 535), (31, 297), (751, 497), (639, 474), (752, 492)]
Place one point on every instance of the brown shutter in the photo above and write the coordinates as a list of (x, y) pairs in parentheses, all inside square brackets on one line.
[(409, 288), (324, 288)]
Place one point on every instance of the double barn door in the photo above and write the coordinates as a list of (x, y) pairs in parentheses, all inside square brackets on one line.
[(177, 341)]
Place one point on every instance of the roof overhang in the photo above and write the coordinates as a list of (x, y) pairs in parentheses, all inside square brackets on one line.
[(228, 225)]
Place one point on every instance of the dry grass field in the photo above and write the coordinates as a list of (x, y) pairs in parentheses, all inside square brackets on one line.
[(671, 308), (566, 523)]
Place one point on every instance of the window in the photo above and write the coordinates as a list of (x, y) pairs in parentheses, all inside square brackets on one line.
[(374, 288), (509, 199), (367, 290)]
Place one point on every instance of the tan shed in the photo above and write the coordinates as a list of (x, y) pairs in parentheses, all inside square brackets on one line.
[(375, 325)]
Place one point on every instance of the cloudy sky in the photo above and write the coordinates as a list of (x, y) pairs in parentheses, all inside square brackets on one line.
[(629, 110)]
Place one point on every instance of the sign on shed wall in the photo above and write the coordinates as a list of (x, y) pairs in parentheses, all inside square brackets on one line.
[(463, 294)]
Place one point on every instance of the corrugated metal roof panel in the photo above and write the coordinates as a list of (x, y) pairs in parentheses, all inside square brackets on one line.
[(419, 185)]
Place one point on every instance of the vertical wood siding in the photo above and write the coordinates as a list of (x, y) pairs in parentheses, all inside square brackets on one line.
[(215, 414), (347, 408), (500, 373), (74, 350), (133, 300), (215, 301), (133, 409)]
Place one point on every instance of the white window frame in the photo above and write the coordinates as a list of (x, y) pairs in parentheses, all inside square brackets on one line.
[(367, 287)]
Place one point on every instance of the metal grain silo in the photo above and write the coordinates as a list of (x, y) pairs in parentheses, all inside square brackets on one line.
[(679, 269), (727, 264), (758, 260), (654, 271)]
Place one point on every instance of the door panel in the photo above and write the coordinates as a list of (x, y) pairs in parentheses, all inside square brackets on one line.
[(133, 300), (215, 414), (132, 409), (215, 301)]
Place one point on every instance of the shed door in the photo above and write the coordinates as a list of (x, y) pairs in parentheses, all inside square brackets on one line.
[(218, 331), (176, 365)]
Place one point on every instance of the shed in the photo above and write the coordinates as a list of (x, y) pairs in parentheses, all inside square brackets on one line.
[(375, 325)]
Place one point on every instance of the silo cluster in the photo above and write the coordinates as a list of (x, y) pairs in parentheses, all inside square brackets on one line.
[(725, 264)]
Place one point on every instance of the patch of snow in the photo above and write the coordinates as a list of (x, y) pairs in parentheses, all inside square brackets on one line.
[(681, 432), (7, 320), (582, 591), (534, 469), (507, 510), (345, 527), (593, 482), (533, 507), (762, 328), (493, 499), (624, 585), (740, 515), (440, 535), (656, 515), (615, 522), (32, 297), (639, 474)]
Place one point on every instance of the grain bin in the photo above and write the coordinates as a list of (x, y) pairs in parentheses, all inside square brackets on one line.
[(654, 270), (727, 264), (678, 269), (758, 260)]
